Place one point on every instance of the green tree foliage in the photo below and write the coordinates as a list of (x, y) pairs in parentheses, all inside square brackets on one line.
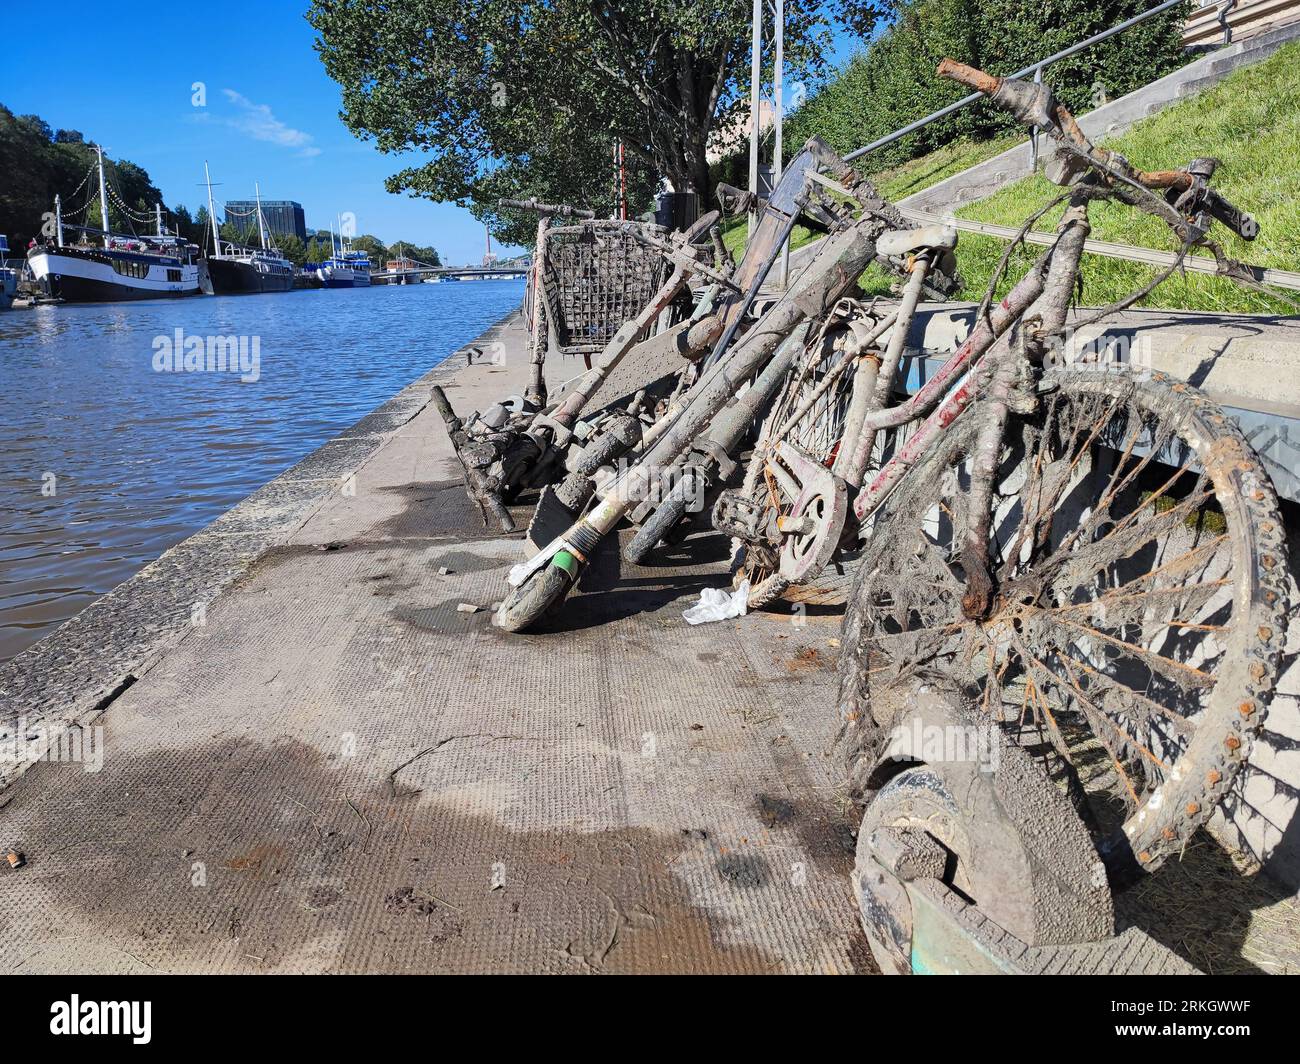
[(893, 82), (514, 98), (37, 164)]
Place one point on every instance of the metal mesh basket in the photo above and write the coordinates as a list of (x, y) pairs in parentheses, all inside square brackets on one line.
[(598, 277)]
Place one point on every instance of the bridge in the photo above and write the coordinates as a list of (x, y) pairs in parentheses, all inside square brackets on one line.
[(517, 268)]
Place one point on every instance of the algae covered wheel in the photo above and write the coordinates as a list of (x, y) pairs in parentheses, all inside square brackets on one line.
[(663, 522), (1138, 562), (538, 595), (804, 431)]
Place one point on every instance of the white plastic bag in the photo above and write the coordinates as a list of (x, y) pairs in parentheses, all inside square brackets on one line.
[(718, 605)]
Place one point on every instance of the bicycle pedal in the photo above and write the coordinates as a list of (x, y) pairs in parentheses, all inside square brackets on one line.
[(735, 515)]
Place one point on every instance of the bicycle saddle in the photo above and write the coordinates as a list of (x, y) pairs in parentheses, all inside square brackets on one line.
[(899, 242)]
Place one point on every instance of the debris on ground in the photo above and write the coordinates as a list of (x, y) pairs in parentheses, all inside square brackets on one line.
[(718, 605)]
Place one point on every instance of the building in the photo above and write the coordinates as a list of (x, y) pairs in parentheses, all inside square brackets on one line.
[(283, 217)]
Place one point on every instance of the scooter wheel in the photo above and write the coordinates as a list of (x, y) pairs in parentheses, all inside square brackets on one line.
[(534, 599)]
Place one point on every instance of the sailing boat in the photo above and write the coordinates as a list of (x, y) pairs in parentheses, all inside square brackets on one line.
[(232, 270), (126, 267), (344, 268)]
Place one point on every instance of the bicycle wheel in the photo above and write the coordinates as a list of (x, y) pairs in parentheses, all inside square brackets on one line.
[(817, 433), (540, 595), (1138, 560)]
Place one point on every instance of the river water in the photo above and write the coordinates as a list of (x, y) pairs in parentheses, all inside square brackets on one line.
[(107, 461)]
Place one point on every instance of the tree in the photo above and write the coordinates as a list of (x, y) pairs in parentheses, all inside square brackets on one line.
[(893, 83), (292, 248), (519, 97), (37, 164)]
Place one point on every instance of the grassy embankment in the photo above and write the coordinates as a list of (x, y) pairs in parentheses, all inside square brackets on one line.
[(1250, 121)]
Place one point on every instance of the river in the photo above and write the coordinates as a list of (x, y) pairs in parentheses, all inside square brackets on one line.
[(109, 461)]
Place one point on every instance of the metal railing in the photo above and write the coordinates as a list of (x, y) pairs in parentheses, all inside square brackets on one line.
[(1036, 69)]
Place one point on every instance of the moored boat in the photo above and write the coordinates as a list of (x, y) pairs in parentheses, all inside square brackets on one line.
[(349, 270), (344, 268), (8, 277), (233, 270), (126, 267)]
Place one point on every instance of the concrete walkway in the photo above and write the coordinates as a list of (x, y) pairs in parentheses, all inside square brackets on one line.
[(338, 770), (330, 767)]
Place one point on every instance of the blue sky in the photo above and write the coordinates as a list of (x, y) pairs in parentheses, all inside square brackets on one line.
[(271, 113)]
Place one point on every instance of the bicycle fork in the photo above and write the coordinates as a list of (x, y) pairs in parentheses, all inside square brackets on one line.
[(1019, 348)]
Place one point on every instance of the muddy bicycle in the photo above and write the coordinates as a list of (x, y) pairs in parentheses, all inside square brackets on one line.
[(536, 440), (1093, 554), (818, 186), (790, 519)]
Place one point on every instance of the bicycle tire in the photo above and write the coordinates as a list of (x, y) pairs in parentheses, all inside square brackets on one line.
[(1177, 728), (664, 519)]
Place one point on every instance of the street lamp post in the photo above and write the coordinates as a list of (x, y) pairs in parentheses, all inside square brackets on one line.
[(778, 164), (755, 79)]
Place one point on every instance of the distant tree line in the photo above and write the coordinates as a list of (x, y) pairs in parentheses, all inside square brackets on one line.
[(38, 162)]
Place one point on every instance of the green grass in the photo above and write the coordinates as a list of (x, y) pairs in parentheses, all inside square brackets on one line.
[(1251, 123), (735, 234), (920, 173)]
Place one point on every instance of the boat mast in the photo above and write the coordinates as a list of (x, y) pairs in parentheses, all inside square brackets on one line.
[(261, 229), (103, 192), (58, 220), (212, 213), (157, 210)]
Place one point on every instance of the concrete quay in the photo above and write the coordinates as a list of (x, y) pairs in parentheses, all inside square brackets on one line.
[(314, 760)]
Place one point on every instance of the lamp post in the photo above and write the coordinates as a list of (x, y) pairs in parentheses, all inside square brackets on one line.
[(755, 78), (778, 164)]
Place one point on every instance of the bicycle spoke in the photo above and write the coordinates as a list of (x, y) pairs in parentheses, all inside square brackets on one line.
[(1119, 590)]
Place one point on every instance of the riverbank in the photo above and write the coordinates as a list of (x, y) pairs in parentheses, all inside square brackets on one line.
[(333, 767)]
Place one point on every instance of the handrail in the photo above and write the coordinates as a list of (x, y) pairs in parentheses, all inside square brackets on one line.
[(1033, 68), (1106, 249)]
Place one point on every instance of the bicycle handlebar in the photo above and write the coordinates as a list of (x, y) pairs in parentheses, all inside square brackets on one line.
[(1035, 106)]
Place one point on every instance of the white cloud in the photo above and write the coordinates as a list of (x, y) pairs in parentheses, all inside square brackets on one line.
[(257, 121)]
